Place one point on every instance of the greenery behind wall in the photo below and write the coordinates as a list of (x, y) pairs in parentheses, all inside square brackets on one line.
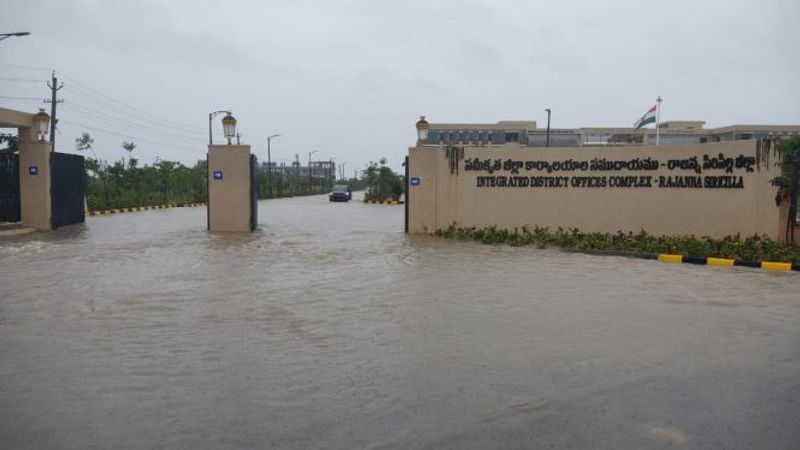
[(125, 184), (788, 182)]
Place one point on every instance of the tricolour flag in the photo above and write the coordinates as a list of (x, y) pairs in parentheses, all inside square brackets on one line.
[(648, 117)]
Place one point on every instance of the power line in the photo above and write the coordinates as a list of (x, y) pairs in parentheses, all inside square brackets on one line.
[(39, 99), (127, 105), (94, 114), (114, 108), (134, 138), (22, 80), (17, 66)]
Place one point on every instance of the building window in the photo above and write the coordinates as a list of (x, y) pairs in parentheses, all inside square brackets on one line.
[(595, 139), (512, 137)]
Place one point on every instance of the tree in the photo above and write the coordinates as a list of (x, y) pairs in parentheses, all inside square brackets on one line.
[(129, 146), (86, 142), (382, 182), (789, 180), (12, 142)]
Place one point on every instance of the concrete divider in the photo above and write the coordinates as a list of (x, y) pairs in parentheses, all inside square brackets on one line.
[(384, 202), (142, 208), (766, 265)]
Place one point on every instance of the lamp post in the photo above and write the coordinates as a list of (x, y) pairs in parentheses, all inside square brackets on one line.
[(309, 169), (269, 162), (8, 35), (41, 122), (229, 127), (422, 130), (547, 142), (210, 117)]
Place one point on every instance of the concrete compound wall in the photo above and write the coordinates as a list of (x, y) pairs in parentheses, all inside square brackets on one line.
[(661, 197), (229, 197)]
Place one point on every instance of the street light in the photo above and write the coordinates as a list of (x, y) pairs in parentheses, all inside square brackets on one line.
[(41, 121), (547, 144), (229, 127), (422, 130), (269, 161), (8, 35), (211, 116)]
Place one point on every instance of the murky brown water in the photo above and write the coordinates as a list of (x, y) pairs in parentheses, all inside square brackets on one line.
[(329, 328)]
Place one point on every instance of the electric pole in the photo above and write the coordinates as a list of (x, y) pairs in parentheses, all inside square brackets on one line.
[(548, 127), (54, 88)]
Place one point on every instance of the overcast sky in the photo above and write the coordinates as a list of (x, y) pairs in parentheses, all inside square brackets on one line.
[(349, 78)]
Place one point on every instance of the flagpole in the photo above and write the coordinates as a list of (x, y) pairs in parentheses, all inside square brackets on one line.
[(658, 121)]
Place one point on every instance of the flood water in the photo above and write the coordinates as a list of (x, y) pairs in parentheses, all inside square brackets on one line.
[(330, 328)]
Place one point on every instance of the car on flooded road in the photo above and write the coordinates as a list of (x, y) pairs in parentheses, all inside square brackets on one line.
[(340, 193)]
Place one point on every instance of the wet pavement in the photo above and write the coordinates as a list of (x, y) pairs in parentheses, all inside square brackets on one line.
[(330, 328)]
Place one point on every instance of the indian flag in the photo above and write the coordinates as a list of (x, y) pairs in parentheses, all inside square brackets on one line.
[(648, 117)]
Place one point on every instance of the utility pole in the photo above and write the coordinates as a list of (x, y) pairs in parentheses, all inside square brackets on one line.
[(54, 88), (297, 179), (547, 144)]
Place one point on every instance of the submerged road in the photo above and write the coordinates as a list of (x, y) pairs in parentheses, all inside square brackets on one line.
[(330, 328)]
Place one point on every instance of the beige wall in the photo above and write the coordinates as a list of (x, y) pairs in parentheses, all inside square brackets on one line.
[(35, 200), (229, 198), (443, 198)]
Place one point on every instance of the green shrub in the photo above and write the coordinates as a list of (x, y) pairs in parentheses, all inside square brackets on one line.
[(753, 248)]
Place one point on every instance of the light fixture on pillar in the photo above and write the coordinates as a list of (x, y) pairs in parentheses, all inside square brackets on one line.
[(422, 130), (41, 122), (229, 127)]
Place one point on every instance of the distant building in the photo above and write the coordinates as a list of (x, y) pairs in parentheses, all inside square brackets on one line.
[(527, 134), (319, 169)]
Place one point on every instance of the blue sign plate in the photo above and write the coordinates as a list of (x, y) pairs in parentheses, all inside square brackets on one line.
[(33, 170), (414, 181), (217, 174)]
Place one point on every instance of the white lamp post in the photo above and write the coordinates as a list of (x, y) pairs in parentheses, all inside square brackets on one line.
[(229, 127), (422, 130), (41, 121)]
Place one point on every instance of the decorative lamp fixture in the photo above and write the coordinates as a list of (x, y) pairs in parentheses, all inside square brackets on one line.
[(41, 121), (422, 129), (229, 127)]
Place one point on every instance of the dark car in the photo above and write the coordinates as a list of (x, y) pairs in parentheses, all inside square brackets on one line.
[(340, 193)]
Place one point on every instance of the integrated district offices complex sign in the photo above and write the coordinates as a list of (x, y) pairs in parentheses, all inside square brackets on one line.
[(711, 172)]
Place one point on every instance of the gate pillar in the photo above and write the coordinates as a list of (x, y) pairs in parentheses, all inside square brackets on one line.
[(230, 184), (34, 182)]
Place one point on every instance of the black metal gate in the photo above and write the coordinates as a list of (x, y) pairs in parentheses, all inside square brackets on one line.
[(253, 192), (67, 188), (9, 187)]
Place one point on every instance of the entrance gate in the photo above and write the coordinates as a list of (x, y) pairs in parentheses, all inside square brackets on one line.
[(10, 210), (68, 189)]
